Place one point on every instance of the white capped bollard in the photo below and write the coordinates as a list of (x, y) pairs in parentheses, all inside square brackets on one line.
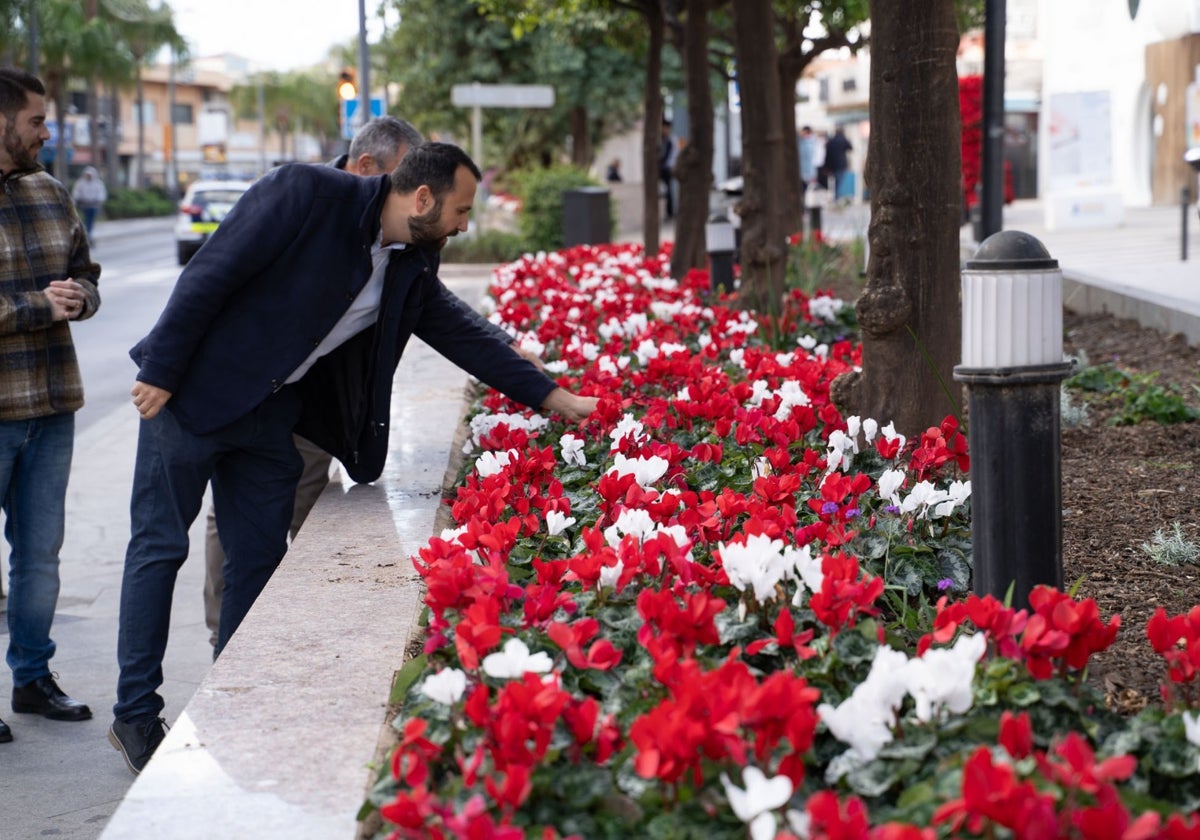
[(1013, 367), (720, 243)]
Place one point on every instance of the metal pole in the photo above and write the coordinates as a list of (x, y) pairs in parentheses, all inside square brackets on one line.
[(172, 159), (477, 135), (1185, 196), (992, 169), (364, 69), (34, 46), (262, 127)]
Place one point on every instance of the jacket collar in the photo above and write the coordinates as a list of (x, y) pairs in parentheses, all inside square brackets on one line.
[(21, 173)]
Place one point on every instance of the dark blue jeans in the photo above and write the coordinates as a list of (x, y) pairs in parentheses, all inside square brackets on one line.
[(35, 461), (254, 468)]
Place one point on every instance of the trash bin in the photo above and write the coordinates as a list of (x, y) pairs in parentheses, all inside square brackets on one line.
[(587, 219)]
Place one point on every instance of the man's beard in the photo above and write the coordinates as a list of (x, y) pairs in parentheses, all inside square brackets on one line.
[(19, 154), (425, 230)]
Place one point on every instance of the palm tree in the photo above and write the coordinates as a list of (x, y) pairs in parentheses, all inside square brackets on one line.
[(143, 31), (298, 99)]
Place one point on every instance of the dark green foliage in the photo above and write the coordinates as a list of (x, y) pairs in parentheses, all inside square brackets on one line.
[(136, 204), (541, 193)]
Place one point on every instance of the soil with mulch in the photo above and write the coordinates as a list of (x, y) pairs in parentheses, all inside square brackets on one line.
[(1122, 486)]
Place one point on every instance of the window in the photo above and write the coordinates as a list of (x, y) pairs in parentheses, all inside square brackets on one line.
[(181, 114), (148, 113), (849, 85)]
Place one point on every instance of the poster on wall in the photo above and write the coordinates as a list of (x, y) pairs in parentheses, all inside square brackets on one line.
[(1080, 139), (1192, 119)]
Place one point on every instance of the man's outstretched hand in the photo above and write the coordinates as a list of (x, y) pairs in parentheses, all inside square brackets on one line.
[(573, 408)]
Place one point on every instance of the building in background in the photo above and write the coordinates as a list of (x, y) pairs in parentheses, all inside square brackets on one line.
[(205, 138)]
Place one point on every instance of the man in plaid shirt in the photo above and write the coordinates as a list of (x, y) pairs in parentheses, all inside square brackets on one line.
[(47, 278)]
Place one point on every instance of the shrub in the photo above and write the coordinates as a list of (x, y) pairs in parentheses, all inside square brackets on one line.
[(541, 193), (489, 246), (135, 204)]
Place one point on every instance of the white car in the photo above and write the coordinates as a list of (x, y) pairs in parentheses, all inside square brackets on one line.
[(204, 207)]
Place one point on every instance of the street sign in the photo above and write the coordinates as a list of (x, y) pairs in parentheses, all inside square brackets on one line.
[(478, 96), (350, 110), (502, 96)]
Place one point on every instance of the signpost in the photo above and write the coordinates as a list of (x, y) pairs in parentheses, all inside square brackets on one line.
[(479, 96), (350, 122)]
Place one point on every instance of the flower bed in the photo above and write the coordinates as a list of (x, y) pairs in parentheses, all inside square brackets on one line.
[(721, 609)]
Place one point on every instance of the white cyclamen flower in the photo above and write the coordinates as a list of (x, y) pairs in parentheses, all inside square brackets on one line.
[(572, 450), (944, 677), (864, 720), (631, 521), (761, 795), (870, 429), (1191, 727), (490, 463), (445, 687), (627, 427), (609, 575), (515, 660), (759, 564), (890, 434), (645, 471), (557, 522), (957, 493), (890, 482)]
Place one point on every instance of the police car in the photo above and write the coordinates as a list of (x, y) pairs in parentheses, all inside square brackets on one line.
[(204, 207)]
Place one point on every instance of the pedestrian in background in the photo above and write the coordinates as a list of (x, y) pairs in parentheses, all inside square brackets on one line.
[(292, 318), (47, 278), (89, 196), (376, 150), (668, 152), (837, 161), (806, 148)]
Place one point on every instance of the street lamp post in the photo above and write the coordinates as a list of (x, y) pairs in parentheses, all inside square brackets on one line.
[(992, 165), (364, 69)]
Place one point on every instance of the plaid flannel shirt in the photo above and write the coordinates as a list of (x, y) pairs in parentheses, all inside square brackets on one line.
[(41, 239)]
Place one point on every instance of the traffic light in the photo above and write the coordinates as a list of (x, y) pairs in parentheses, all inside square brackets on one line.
[(347, 85)]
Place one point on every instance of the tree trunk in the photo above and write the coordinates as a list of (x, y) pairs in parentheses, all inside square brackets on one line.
[(791, 64), (909, 313), (139, 181), (652, 127), (581, 140), (112, 150), (93, 123), (764, 253), (694, 165)]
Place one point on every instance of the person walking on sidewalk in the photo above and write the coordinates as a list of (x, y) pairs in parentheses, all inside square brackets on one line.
[(292, 319), (376, 150), (47, 278), (89, 196)]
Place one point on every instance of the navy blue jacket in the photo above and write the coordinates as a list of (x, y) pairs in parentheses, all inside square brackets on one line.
[(273, 280)]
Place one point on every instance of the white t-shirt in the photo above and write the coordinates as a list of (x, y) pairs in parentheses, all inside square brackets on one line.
[(363, 311)]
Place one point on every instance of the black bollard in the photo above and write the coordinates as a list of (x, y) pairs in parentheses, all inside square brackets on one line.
[(814, 224), (1013, 368)]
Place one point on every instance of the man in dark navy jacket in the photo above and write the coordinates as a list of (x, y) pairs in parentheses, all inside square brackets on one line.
[(292, 317)]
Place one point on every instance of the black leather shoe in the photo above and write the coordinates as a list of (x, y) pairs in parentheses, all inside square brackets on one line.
[(5, 733), (44, 697)]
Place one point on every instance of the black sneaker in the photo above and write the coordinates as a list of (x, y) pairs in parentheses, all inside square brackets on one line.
[(5, 733), (137, 740)]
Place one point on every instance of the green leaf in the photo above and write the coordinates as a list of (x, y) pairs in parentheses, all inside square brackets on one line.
[(874, 778), (853, 648), (405, 677), (1176, 759)]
